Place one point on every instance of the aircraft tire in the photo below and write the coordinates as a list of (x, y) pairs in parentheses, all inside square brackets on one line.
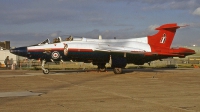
[(117, 70), (46, 71), (103, 69)]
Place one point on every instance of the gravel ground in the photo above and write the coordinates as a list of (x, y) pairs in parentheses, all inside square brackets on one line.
[(146, 90)]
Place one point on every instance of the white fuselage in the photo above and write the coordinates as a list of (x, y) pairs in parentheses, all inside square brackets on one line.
[(134, 44)]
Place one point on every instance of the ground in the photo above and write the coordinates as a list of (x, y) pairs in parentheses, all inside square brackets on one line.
[(156, 90)]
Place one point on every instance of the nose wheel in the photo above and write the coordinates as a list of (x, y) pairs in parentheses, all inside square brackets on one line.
[(45, 70)]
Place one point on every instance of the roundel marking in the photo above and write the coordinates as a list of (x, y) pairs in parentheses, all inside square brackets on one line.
[(55, 55)]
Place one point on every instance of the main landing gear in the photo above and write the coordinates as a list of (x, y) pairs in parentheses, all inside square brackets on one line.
[(118, 70), (118, 63), (102, 67), (45, 70)]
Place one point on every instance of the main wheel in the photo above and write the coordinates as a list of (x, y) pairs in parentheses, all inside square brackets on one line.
[(46, 71), (102, 69), (117, 70)]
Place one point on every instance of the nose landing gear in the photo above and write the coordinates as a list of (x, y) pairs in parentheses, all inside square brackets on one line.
[(45, 70)]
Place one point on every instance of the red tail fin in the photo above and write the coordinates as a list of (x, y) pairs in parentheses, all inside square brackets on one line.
[(165, 35)]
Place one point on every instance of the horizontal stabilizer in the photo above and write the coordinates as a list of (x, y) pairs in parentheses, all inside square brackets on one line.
[(168, 26)]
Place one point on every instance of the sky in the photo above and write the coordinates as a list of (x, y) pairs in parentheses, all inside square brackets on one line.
[(27, 22)]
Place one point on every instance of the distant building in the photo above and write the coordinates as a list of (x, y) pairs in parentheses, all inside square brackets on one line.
[(5, 45)]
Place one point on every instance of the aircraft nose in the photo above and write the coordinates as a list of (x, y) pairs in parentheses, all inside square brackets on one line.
[(20, 51)]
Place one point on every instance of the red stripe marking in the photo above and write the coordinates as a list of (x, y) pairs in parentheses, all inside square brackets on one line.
[(60, 49)]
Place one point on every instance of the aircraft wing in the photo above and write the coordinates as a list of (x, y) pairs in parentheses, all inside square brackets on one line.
[(131, 50), (121, 49)]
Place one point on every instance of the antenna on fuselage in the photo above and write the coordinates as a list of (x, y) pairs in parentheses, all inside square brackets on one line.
[(100, 37)]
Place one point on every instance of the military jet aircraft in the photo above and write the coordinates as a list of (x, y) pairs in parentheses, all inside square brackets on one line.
[(100, 51)]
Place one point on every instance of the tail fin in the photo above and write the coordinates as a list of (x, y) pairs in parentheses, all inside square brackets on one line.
[(165, 35)]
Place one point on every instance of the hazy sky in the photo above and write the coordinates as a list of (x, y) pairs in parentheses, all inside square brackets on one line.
[(25, 22)]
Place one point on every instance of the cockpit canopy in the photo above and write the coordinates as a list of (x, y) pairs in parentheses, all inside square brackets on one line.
[(70, 38), (47, 41), (59, 39)]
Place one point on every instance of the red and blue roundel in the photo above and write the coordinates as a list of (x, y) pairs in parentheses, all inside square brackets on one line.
[(55, 55)]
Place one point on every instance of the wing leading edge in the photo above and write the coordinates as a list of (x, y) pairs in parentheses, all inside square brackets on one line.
[(119, 49)]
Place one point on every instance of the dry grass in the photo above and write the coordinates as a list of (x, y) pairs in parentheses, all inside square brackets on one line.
[(81, 65)]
